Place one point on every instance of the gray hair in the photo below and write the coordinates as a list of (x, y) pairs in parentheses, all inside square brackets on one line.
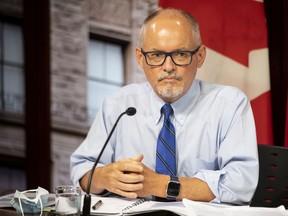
[(187, 15)]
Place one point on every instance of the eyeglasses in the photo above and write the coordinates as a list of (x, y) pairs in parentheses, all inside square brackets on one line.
[(179, 58)]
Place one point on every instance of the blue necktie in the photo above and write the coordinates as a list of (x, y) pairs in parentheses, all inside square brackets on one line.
[(166, 150)]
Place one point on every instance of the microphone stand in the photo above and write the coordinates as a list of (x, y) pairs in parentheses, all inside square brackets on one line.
[(87, 198)]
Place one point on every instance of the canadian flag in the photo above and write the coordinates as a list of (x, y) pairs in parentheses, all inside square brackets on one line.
[(235, 34)]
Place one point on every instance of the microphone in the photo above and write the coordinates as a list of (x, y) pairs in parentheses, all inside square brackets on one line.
[(87, 198)]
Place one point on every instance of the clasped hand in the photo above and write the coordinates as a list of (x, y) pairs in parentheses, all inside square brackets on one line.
[(127, 177)]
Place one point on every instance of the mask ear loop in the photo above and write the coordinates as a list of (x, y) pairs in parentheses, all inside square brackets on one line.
[(41, 206), (38, 196), (20, 203)]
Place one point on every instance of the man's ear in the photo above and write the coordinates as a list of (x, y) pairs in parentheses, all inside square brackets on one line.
[(201, 55), (139, 56)]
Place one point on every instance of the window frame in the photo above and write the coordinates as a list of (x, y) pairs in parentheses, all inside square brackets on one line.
[(123, 44)]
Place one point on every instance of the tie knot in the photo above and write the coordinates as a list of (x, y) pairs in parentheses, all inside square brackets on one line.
[(167, 110)]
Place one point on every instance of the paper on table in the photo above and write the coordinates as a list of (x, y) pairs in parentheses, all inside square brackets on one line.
[(110, 205), (152, 206), (125, 206), (208, 209)]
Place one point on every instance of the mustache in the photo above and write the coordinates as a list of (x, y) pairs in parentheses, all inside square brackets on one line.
[(173, 76)]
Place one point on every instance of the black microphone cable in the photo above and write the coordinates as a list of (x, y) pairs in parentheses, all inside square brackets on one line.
[(87, 198)]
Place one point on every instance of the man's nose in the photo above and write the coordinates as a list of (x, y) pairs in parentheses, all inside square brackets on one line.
[(169, 65)]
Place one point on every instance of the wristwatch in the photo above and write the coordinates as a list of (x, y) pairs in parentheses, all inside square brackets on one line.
[(173, 188)]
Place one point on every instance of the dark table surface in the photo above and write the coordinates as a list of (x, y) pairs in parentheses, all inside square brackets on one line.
[(12, 212)]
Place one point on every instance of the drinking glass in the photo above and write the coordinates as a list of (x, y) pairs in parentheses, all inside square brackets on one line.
[(67, 200)]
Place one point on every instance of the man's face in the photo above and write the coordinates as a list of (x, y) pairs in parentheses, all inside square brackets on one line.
[(168, 34)]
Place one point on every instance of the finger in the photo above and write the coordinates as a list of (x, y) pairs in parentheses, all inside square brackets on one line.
[(124, 172), (124, 159), (138, 158), (130, 177), (129, 187), (122, 189), (128, 166), (131, 160), (129, 190)]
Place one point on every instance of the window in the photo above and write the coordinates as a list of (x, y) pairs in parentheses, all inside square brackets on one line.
[(105, 73), (12, 93)]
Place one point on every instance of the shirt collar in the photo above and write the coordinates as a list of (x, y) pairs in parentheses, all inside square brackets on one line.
[(181, 107)]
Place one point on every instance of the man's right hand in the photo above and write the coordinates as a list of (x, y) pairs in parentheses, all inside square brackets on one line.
[(123, 177)]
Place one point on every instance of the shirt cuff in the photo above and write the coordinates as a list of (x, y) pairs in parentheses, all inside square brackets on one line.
[(212, 178)]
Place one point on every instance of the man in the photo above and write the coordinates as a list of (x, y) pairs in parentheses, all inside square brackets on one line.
[(211, 126)]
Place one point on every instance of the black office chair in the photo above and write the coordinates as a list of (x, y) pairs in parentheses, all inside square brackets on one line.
[(272, 189)]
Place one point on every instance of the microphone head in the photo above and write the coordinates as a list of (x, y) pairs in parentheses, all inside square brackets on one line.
[(131, 111)]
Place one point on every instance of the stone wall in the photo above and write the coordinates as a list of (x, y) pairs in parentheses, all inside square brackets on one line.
[(11, 7), (71, 23)]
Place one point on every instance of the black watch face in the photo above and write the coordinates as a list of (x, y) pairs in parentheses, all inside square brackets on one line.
[(173, 189)]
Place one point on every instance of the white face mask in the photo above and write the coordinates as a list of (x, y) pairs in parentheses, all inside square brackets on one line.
[(24, 204)]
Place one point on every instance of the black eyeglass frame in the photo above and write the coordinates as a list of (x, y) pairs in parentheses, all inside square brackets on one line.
[(170, 54)]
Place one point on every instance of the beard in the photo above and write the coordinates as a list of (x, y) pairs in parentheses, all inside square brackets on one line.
[(168, 90)]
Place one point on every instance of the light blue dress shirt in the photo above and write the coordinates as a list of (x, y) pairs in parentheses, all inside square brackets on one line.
[(215, 137)]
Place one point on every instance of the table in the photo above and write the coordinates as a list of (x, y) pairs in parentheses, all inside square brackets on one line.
[(12, 212)]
